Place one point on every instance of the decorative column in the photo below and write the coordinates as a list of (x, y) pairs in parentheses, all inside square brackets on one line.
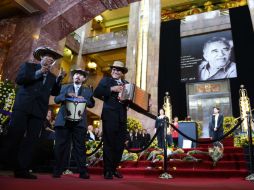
[(251, 7), (85, 32), (143, 47)]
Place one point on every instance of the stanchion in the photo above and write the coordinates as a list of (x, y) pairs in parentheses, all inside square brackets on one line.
[(165, 175), (251, 176)]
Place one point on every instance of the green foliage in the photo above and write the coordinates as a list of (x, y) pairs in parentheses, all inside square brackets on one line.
[(242, 140), (228, 124), (7, 97), (133, 124), (200, 128)]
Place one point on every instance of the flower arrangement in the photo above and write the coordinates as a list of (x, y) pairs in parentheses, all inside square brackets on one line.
[(133, 124), (216, 152), (95, 158), (228, 124), (7, 98), (242, 140), (128, 156)]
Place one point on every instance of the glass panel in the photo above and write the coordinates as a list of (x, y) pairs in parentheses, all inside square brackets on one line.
[(202, 97)]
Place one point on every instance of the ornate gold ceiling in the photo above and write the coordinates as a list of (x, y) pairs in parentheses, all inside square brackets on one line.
[(187, 7)]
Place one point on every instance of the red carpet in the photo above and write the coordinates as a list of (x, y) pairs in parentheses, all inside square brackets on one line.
[(228, 174), (72, 182)]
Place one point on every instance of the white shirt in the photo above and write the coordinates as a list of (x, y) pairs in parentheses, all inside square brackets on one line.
[(216, 120), (76, 88), (92, 137), (119, 81)]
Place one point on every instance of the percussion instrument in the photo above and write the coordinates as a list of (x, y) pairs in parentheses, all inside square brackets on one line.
[(75, 108)]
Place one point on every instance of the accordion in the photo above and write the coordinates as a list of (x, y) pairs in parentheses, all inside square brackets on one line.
[(136, 95)]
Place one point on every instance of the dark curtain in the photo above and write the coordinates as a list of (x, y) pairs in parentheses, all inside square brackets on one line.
[(243, 38), (169, 68)]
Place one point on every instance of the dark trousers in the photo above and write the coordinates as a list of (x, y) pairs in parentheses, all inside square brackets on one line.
[(21, 139), (217, 135), (114, 136), (65, 136), (161, 138), (169, 139)]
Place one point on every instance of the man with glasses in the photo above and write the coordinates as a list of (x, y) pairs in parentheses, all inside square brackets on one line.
[(36, 84), (114, 119)]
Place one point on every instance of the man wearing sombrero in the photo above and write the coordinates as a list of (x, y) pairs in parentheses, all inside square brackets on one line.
[(70, 131), (36, 84), (114, 119)]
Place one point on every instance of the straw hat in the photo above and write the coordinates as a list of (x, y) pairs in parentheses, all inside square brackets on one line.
[(119, 65)]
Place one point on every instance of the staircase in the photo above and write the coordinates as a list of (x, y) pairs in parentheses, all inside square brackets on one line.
[(233, 164)]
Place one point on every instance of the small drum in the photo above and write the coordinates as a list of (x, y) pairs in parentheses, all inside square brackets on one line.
[(75, 107)]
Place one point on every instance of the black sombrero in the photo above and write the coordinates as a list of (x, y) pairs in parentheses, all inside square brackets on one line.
[(80, 71), (42, 51)]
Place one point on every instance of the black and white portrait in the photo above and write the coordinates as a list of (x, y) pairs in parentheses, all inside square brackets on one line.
[(208, 57)]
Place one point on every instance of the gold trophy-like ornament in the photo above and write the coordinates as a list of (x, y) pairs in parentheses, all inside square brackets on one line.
[(167, 106), (244, 103), (168, 112)]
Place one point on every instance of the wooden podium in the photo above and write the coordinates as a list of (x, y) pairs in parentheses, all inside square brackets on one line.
[(189, 128)]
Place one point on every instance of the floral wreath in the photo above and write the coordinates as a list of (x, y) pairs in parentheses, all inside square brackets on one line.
[(7, 98)]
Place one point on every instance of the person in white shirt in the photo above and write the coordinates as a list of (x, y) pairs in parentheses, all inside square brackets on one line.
[(216, 124), (90, 134)]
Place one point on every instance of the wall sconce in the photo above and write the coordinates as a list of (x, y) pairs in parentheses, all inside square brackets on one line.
[(91, 65), (98, 19), (96, 123)]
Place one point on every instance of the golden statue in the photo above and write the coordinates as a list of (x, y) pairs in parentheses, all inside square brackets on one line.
[(244, 103), (167, 107)]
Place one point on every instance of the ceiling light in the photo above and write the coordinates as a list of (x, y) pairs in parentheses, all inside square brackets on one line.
[(91, 65), (98, 19)]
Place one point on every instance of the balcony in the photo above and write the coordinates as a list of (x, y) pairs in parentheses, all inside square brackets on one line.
[(104, 42)]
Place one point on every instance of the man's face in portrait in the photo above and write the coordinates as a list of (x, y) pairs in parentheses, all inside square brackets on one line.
[(217, 54)]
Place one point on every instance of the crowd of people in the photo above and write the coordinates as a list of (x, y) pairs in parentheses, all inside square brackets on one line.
[(138, 138)]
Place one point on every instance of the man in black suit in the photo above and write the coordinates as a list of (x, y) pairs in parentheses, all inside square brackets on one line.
[(36, 84), (114, 119), (72, 130), (216, 124)]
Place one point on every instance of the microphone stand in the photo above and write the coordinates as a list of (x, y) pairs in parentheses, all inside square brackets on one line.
[(165, 175), (251, 176)]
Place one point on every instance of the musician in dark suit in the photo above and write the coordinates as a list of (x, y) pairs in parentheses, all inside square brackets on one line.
[(114, 119), (69, 131), (216, 124), (36, 84)]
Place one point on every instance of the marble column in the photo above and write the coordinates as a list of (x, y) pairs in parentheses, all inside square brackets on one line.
[(23, 44), (132, 44), (153, 52), (48, 28), (152, 48), (85, 33)]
